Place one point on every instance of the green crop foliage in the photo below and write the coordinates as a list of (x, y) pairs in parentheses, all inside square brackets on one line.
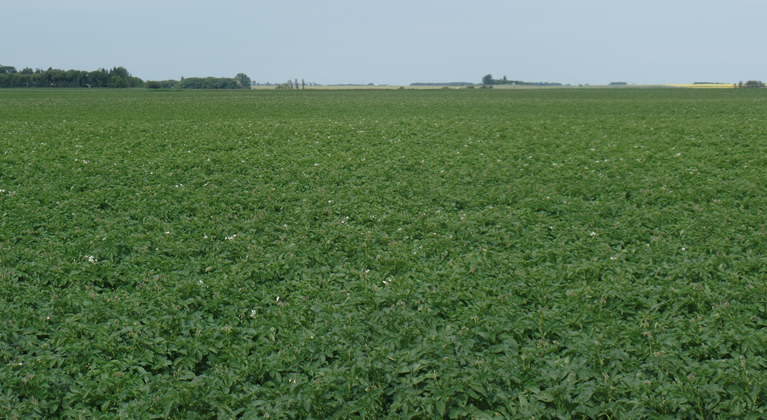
[(566, 254)]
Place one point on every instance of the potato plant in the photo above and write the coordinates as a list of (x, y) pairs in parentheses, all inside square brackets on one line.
[(383, 254)]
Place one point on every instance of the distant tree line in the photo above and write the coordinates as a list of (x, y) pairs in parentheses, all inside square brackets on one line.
[(208, 83), (117, 77), (488, 80), (751, 84), (290, 84), (161, 84), (240, 81)]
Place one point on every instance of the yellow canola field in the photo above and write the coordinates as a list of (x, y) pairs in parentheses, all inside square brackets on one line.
[(706, 86)]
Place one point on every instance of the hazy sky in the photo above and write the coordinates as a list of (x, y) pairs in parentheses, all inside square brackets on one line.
[(394, 41)]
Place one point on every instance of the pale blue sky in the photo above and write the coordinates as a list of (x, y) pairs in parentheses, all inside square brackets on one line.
[(394, 41)]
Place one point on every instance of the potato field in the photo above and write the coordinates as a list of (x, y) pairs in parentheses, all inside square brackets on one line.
[(425, 254)]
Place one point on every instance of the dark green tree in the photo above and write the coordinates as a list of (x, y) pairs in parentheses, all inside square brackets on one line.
[(116, 82), (243, 80), (488, 80)]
